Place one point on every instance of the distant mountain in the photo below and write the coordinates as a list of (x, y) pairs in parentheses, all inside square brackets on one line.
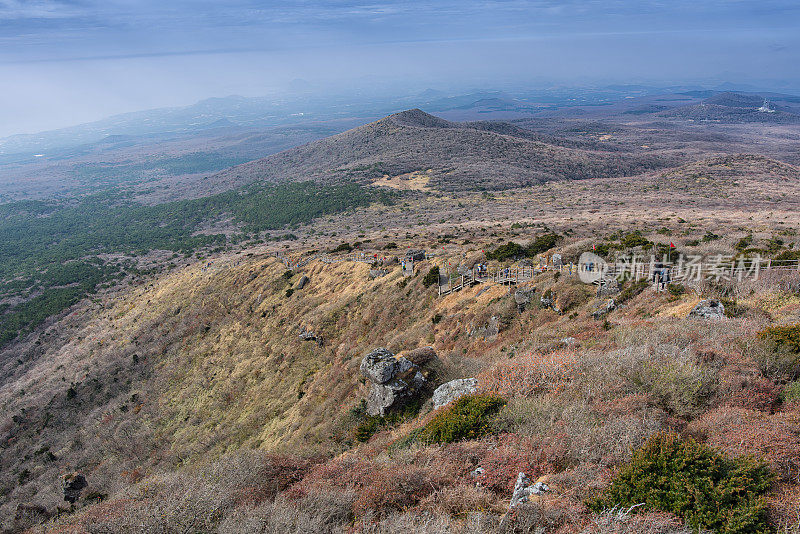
[(730, 107), (456, 156)]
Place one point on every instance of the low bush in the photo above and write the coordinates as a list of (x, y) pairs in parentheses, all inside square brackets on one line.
[(504, 252), (344, 247), (467, 418), (510, 250), (695, 482), (432, 277), (631, 290), (780, 354), (676, 383), (791, 393), (785, 337)]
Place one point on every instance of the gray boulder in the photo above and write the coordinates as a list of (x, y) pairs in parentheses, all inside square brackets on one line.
[(377, 273), (605, 309), (523, 489), (523, 298), (302, 282), (450, 391), (393, 381), (607, 287), (72, 484), (379, 366), (708, 309)]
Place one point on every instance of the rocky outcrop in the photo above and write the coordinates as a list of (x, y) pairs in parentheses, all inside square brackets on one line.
[(604, 310), (393, 381), (489, 330), (377, 273), (450, 391), (523, 298), (379, 366), (72, 484), (708, 309), (523, 490), (607, 287), (308, 335), (302, 282)]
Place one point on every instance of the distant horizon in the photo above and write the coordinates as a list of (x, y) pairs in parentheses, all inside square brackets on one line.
[(722, 86), (64, 62)]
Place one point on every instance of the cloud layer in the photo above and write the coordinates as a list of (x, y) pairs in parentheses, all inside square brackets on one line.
[(65, 60)]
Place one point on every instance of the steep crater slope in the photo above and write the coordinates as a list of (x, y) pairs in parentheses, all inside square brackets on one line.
[(459, 156)]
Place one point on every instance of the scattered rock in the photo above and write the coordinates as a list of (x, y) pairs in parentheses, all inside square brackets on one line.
[(489, 330), (379, 366), (394, 381), (302, 282), (708, 309), (569, 341), (523, 490), (607, 287), (605, 310), (308, 335), (377, 273), (72, 484), (546, 302), (523, 298), (478, 471), (450, 391)]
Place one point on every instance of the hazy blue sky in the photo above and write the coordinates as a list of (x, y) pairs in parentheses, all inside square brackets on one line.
[(69, 61)]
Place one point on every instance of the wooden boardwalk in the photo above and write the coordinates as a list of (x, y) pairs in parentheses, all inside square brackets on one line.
[(506, 276), (600, 275)]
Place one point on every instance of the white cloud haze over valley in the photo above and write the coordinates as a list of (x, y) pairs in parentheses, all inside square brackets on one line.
[(64, 62)]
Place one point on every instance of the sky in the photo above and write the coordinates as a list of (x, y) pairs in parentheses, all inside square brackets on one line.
[(64, 62)]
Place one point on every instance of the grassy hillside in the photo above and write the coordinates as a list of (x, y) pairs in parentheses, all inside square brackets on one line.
[(192, 402)]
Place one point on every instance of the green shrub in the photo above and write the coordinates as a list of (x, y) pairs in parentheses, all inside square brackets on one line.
[(733, 308), (676, 290), (466, 418), (743, 243), (634, 239), (631, 290), (543, 243), (540, 244), (432, 277), (791, 393), (695, 482), (504, 252), (785, 337), (370, 424), (344, 247)]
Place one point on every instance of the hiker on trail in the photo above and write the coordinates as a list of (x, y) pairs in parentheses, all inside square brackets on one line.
[(657, 273), (665, 278)]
